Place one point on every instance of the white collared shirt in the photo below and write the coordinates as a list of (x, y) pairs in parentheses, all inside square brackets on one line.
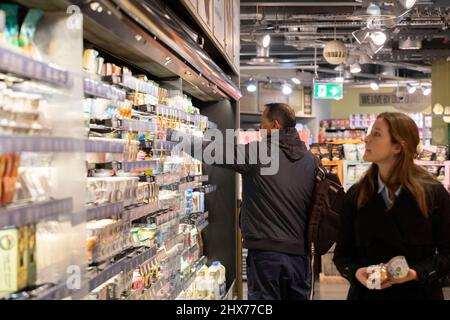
[(385, 192)]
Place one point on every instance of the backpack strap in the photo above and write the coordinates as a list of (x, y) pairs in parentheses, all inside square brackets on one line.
[(320, 171)]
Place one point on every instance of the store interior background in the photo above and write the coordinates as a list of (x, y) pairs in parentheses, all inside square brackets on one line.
[(415, 53), (187, 60)]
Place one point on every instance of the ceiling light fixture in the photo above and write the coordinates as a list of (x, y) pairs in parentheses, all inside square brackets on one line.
[(407, 4), (378, 37), (251, 85), (355, 68), (286, 89), (373, 10), (411, 88), (296, 80), (374, 85), (426, 90)]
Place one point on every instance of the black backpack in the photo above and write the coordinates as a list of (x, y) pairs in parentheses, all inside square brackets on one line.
[(327, 205)]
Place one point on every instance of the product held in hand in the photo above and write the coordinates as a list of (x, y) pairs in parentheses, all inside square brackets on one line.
[(397, 268)]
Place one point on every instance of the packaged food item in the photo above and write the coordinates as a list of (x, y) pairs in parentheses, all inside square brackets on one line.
[(361, 170), (441, 175), (361, 149), (428, 153), (89, 60), (31, 255), (9, 177), (337, 152), (433, 170), (350, 152), (398, 267), (441, 153), (11, 34), (351, 173), (13, 260), (29, 28), (325, 153)]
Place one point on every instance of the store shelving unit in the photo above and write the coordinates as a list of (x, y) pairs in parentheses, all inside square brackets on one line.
[(445, 164), (32, 213), (116, 36), (338, 164), (347, 183)]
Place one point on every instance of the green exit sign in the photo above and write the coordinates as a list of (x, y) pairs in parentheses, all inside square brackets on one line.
[(328, 91)]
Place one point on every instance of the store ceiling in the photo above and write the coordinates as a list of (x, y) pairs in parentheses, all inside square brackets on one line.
[(299, 28)]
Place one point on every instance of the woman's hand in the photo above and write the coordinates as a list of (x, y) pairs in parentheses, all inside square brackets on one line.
[(362, 276), (412, 275)]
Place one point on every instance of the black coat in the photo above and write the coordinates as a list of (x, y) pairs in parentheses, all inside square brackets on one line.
[(371, 235), (275, 207)]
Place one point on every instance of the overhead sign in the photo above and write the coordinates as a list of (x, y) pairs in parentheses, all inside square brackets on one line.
[(328, 91)]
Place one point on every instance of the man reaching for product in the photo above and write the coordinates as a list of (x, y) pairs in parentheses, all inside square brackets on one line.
[(275, 207)]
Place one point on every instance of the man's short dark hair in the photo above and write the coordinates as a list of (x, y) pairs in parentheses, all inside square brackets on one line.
[(281, 112)]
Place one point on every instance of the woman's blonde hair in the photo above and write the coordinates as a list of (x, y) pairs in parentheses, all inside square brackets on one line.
[(403, 131)]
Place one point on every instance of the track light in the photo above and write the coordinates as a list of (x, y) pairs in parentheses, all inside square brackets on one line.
[(407, 4), (426, 91), (286, 89), (264, 41), (411, 89), (355, 68), (378, 37), (374, 85), (251, 85), (373, 10), (296, 80), (360, 35)]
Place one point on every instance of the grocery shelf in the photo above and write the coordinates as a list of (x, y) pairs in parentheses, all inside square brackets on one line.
[(99, 146), (202, 178), (209, 188), (188, 185), (356, 162), (330, 163), (104, 211), (202, 225), (19, 143), (212, 125), (144, 165), (102, 90), (34, 212), (356, 141), (40, 144), (137, 125), (431, 163), (126, 264), (345, 129), (15, 62), (165, 145), (57, 292), (187, 283), (140, 211)]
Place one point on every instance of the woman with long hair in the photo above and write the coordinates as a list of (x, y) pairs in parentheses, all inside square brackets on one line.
[(397, 209)]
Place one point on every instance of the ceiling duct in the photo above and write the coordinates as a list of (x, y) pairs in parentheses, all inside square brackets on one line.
[(388, 71), (373, 11), (409, 44)]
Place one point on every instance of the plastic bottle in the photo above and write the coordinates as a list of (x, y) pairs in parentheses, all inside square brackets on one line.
[(212, 284), (217, 270), (201, 283)]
